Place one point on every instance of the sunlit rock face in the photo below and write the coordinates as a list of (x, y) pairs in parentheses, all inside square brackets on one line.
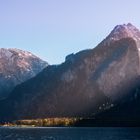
[(84, 82), (17, 66), (122, 68)]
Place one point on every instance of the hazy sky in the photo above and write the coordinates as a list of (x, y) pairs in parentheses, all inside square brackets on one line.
[(52, 29)]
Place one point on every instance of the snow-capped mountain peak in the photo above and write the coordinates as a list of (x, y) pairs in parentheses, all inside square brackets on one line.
[(17, 66), (123, 31)]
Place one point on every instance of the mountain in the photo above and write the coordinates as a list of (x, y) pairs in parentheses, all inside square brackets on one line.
[(123, 31), (17, 66), (87, 83)]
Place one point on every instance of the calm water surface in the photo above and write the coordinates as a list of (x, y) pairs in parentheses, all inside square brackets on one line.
[(69, 133)]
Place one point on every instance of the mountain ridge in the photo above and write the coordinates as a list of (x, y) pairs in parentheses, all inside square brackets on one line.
[(86, 80), (16, 67)]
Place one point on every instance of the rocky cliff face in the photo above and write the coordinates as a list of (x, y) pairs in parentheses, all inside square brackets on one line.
[(86, 82), (17, 66)]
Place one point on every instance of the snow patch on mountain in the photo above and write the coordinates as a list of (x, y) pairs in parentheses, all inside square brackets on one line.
[(17, 66)]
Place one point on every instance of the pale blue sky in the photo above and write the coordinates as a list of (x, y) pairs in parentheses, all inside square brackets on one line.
[(52, 29)]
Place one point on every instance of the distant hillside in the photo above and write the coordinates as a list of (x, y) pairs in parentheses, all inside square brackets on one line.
[(17, 66)]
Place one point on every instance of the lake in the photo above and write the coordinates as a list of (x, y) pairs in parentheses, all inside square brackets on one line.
[(61, 133)]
